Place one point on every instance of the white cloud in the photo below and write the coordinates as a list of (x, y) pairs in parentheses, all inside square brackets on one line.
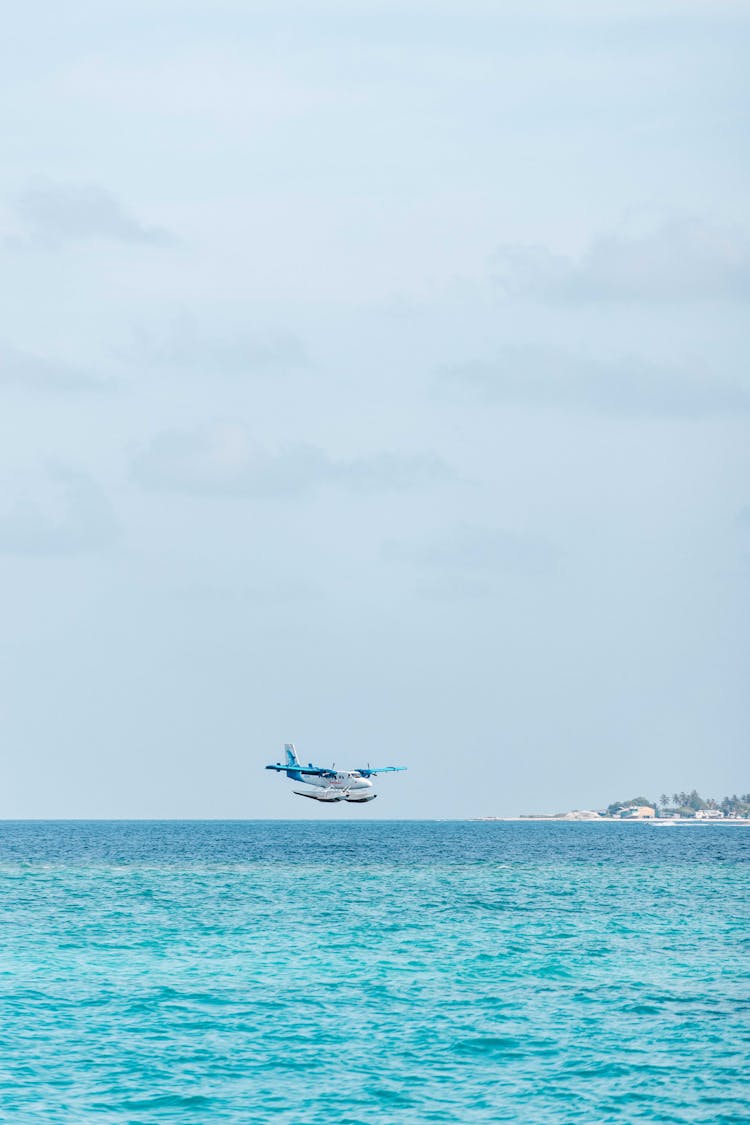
[(223, 459), (476, 552), (71, 516), (52, 213), (37, 373), (182, 344), (630, 387), (682, 259)]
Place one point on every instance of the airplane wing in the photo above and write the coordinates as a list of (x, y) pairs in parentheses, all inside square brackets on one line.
[(314, 771), (369, 771)]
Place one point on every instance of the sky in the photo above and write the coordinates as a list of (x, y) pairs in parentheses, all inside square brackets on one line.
[(373, 376)]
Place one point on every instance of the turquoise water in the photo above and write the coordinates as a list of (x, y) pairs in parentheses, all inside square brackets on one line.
[(373, 973)]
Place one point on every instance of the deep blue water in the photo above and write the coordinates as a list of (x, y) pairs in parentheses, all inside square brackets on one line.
[(373, 972)]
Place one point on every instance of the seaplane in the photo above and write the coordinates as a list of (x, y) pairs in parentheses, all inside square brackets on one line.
[(353, 786)]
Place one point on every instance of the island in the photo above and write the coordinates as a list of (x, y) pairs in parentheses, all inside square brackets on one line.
[(683, 807)]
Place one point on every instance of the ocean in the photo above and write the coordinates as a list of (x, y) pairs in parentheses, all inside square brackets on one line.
[(373, 972)]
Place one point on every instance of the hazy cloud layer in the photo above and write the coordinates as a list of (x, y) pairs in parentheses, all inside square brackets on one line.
[(37, 373), (553, 379), (52, 213), (223, 459), (683, 259), (71, 517)]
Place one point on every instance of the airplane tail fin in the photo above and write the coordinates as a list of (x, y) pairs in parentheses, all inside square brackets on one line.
[(291, 755)]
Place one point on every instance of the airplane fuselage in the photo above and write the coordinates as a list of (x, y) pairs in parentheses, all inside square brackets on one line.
[(346, 779)]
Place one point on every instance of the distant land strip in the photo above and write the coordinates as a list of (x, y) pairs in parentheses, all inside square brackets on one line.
[(685, 806)]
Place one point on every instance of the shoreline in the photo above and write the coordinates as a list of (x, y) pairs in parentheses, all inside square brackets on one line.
[(664, 822)]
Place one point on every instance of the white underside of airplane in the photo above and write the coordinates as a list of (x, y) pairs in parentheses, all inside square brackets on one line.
[(331, 794)]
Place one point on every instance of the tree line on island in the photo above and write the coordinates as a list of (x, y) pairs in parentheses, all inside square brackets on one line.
[(687, 805)]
